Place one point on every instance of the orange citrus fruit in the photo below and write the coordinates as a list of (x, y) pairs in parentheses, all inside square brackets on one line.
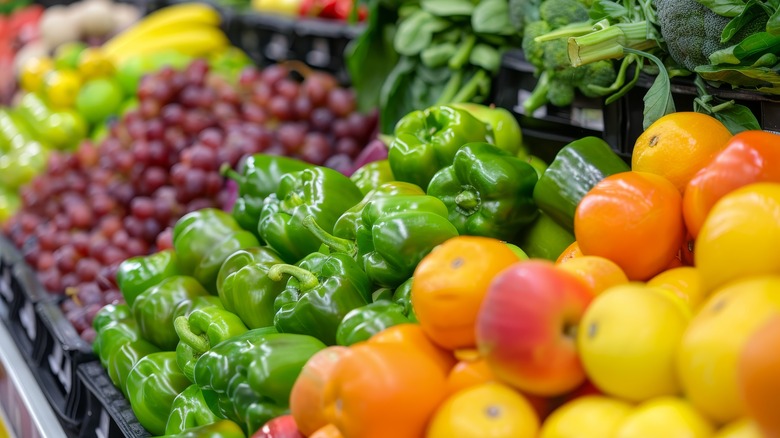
[(597, 272), (468, 373), (450, 284), (634, 219), (677, 145), (572, 251)]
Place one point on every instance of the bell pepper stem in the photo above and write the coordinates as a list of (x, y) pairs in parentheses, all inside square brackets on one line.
[(228, 172), (305, 278), (467, 200), (199, 343), (335, 244)]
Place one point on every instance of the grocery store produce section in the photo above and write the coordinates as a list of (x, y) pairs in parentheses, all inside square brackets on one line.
[(379, 218)]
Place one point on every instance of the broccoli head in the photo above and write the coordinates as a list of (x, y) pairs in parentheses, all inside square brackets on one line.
[(560, 93), (560, 13), (534, 52), (692, 31), (596, 77)]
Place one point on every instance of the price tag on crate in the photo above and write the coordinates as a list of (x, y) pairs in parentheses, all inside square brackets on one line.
[(103, 424), (5, 284), (28, 322), (61, 367)]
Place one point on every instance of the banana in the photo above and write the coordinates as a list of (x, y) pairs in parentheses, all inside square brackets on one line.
[(169, 20), (193, 41)]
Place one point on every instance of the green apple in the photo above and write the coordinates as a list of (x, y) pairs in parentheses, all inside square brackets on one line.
[(99, 98), (66, 56)]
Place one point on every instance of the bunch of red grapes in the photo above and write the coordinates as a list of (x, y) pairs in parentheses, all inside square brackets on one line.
[(105, 203)]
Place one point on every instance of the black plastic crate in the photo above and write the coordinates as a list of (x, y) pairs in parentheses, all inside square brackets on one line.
[(108, 413), (550, 127), (59, 350), (624, 117), (318, 43)]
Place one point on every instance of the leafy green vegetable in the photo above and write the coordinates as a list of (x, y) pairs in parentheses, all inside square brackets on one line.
[(752, 11), (486, 56), (414, 34), (773, 25), (446, 8), (726, 8), (736, 118), (658, 99), (750, 48), (492, 16)]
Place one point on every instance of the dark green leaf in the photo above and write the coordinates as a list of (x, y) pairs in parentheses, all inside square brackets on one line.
[(370, 57), (433, 75), (447, 8), (396, 96), (487, 57), (773, 25), (726, 8), (750, 48), (414, 34), (737, 118), (752, 11), (745, 77), (658, 99), (438, 55), (492, 17)]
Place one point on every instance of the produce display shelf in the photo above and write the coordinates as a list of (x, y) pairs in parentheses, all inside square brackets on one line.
[(22, 399)]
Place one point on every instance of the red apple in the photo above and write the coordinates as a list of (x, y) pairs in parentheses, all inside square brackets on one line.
[(526, 328), (279, 427)]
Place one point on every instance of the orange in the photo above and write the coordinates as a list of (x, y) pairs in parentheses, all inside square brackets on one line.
[(384, 391), (677, 145), (412, 336), (306, 403), (597, 272), (466, 374), (490, 410), (759, 381), (450, 284), (572, 251), (634, 219), (684, 281)]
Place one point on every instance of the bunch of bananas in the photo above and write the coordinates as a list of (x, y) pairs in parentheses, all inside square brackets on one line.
[(188, 28)]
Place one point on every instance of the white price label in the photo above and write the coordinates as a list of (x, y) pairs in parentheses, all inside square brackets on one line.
[(103, 423), (27, 319), (60, 366), (5, 285)]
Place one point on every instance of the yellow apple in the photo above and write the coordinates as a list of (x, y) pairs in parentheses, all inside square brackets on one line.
[(667, 417), (628, 338), (708, 355), (684, 281), (592, 416), (743, 428)]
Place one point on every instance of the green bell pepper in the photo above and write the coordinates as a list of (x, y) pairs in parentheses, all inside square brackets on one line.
[(382, 294), (403, 297), (154, 309), (426, 141), (245, 289), (110, 313), (545, 239), (372, 175), (320, 291), (348, 223), (203, 240), (218, 429), (504, 128), (186, 307), (259, 177), (574, 171), (395, 233), (320, 192), (488, 191), (252, 374), (137, 274), (362, 323), (152, 385), (119, 346), (202, 329), (189, 410)]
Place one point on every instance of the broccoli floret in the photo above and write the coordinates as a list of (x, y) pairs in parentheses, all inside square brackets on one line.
[(559, 13), (598, 74), (560, 93), (692, 31), (534, 52)]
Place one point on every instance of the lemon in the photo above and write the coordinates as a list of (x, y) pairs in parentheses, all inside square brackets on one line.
[(592, 416), (62, 87), (33, 72), (667, 417)]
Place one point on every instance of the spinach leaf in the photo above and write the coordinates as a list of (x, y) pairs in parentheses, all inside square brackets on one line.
[(609, 9), (726, 8), (763, 78), (485, 56), (492, 17), (658, 99), (414, 34), (371, 57), (752, 47), (735, 117), (447, 8), (395, 99), (752, 11)]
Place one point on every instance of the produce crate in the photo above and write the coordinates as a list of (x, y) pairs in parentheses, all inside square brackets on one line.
[(624, 117), (318, 43), (59, 350), (550, 127), (108, 413)]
